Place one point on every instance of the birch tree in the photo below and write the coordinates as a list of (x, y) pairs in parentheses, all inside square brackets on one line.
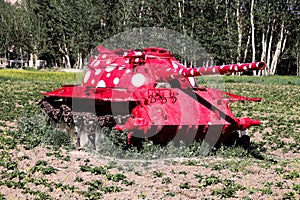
[(252, 32), (239, 30)]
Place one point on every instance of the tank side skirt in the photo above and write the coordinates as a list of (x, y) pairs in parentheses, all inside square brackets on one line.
[(210, 106)]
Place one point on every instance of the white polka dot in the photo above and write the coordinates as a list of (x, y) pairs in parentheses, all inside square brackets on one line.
[(236, 68), (101, 84), (138, 53), (98, 71), (108, 75), (108, 61), (121, 68), (192, 72), (93, 81), (174, 65), (180, 71), (127, 61), (104, 56), (96, 63), (192, 81), (116, 81), (109, 68), (127, 71), (136, 60), (87, 76), (138, 80), (245, 68), (214, 70)]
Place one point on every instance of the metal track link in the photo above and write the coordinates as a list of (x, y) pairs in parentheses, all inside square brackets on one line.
[(83, 127)]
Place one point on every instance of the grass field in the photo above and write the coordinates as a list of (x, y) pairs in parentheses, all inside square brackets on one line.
[(32, 169)]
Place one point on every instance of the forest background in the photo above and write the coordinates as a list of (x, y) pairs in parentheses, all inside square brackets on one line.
[(232, 31)]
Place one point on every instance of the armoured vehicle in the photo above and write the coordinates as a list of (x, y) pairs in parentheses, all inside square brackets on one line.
[(152, 96)]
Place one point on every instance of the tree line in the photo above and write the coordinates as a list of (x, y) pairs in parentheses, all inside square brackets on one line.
[(63, 32)]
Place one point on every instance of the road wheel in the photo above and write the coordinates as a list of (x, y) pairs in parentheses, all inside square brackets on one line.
[(232, 139), (244, 141)]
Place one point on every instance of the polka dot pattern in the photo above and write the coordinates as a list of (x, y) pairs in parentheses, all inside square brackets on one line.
[(87, 76), (116, 81), (101, 84)]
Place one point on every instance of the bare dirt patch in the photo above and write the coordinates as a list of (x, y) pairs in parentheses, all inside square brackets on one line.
[(208, 177)]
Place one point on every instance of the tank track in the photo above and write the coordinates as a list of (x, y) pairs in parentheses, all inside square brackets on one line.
[(83, 127)]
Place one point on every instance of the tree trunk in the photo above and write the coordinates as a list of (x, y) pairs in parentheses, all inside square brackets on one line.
[(246, 48), (298, 63), (180, 15), (270, 49), (264, 48), (79, 61), (278, 50), (297, 50), (68, 63), (66, 54), (30, 62), (228, 30), (140, 20), (253, 32), (263, 54), (240, 32)]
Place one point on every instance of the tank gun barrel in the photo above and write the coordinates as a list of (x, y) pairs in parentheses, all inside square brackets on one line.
[(223, 69)]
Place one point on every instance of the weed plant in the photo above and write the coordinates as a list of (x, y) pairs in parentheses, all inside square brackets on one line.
[(34, 130), (113, 143)]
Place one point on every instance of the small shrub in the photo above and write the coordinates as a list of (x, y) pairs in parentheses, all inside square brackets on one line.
[(34, 130), (184, 186), (183, 173), (110, 189), (142, 196), (291, 175), (78, 179), (289, 195), (115, 177), (2, 197), (158, 174), (127, 182), (228, 190), (166, 180), (170, 193), (296, 187)]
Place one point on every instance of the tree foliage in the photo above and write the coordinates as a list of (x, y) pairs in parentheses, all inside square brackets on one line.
[(64, 32)]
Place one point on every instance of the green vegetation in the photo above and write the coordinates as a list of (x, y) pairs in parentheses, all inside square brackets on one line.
[(184, 186), (224, 173), (158, 174)]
